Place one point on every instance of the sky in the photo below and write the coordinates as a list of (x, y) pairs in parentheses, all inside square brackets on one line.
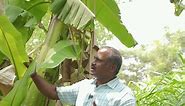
[(146, 20)]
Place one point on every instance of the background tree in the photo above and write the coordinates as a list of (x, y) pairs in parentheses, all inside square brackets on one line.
[(102, 34), (156, 71)]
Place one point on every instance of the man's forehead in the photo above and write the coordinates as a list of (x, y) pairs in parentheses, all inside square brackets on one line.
[(102, 50), (103, 53)]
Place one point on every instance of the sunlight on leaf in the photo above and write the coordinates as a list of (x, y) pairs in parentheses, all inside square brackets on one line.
[(60, 51), (12, 46)]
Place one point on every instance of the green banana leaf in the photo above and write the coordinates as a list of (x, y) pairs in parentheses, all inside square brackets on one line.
[(36, 7), (12, 46), (19, 20), (25, 15), (61, 50), (13, 12), (17, 95), (1, 57), (108, 14), (72, 12), (34, 97), (179, 6)]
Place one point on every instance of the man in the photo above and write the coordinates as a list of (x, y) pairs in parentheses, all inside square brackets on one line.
[(104, 90)]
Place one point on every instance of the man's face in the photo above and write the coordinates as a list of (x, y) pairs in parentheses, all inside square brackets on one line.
[(101, 66)]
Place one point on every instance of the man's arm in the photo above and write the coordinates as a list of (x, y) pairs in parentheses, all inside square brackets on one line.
[(44, 87)]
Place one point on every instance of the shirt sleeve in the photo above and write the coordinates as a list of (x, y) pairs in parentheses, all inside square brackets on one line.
[(128, 99), (68, 94)]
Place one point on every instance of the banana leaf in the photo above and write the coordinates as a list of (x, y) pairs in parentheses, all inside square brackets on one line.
[(1, 57), (25, 15), (19, 18), (12, 46), (34, 97), (61, 50), (36, 7), (72, 12), (17, 95), (108, 14)]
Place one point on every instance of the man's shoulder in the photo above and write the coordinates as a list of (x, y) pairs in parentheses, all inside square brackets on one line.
[(124, 89), (122, 94), (125, 95)]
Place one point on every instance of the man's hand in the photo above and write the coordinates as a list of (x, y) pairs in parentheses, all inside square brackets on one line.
[(94, 104), (34, 73)]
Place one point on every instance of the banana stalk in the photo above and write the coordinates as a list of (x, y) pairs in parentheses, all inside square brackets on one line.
[(34, 97), (55, 29)]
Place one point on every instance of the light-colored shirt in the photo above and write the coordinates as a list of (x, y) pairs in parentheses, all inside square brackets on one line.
[(85, 92)]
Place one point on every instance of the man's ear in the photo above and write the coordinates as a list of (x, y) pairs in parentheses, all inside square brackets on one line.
[(113, 68)]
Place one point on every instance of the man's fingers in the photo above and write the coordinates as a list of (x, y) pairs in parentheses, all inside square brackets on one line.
[(94, 104)]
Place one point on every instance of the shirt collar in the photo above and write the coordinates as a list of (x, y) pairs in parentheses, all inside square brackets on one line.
[(112, 83)]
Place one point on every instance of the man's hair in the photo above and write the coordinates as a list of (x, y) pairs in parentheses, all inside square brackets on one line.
[(115, 58)]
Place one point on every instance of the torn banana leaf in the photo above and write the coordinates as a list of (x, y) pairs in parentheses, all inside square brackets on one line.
[(72, 12)]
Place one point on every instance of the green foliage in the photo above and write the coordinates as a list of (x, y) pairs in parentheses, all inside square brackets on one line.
[(182, 58), (107, 13), (36, 97), (65, 19), (179, 6), (165, 90), (35, 42), (147, 61), (13, 12), (36, 7), (12, 46), (25, 15), (177, 39), (74, 13), (17, 95), (1, 57), (61, 50), (156, 72), (102, 34)]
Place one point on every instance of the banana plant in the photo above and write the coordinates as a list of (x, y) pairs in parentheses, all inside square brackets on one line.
[(70, 33), (10, 45)]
